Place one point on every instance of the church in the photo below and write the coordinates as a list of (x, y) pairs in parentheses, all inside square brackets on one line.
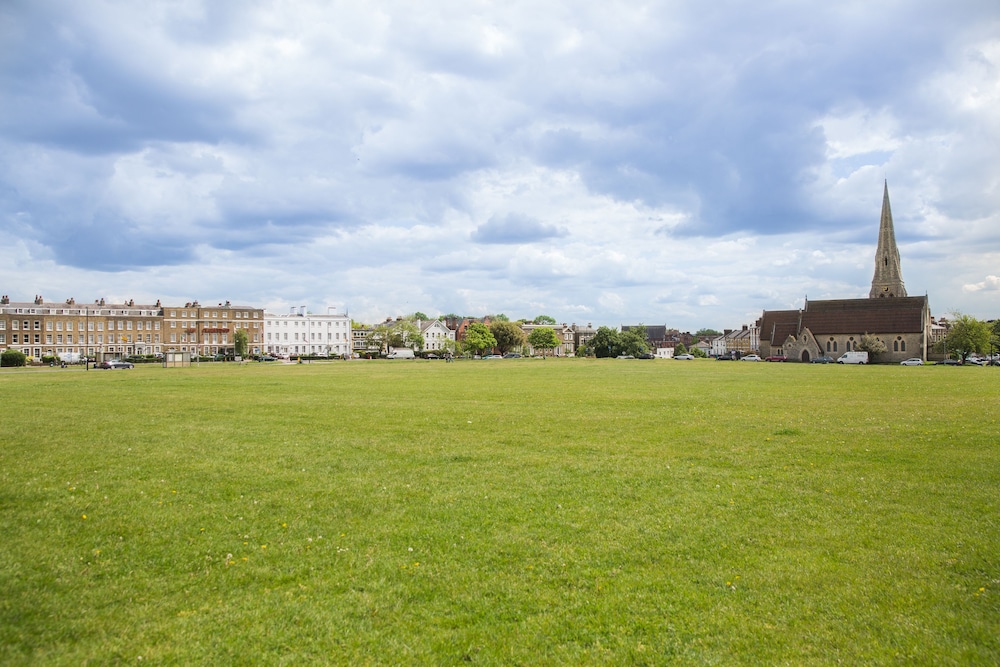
[(832, 327)]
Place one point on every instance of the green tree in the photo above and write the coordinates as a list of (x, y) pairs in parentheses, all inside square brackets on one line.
[(873, 345), (420, 316), (994, 335), (405, 333), (12, 358), (379, 339), (697, 353), (544, 319), (543, 338), (500, 317), (968, 335), (508, 335), (680, 349), (702, 333), (478, 338), (605, 342), (241, 342), (633, 342)]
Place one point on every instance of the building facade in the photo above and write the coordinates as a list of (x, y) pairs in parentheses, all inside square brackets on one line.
[(210, 330), (96, 330), (303, 333)]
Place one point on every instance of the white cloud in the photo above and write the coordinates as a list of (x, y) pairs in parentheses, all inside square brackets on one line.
[(619, 163), (992, 283)]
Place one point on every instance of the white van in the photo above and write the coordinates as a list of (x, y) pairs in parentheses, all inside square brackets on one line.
[(853, 358), (400, 353)]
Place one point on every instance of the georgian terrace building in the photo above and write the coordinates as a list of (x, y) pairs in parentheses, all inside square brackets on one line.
[(210, 330), (95, 330)]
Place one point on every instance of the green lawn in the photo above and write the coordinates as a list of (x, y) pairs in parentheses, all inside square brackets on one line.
[(501, 512)]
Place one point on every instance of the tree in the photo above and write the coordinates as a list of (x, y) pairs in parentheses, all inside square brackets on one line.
[(241, 342), (544, 319), (994, 335), (605, 343), (12, 358), (404, 333), (704, 333), (872, 345), (680, 349), (508, 335), (543, 338), (420, 316), (633, 342), (968, 335), (378, 339), (697, 353), (500, 317), (478, 338)]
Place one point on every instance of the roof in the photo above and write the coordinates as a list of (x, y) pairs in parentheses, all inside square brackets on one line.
[(846, 316)]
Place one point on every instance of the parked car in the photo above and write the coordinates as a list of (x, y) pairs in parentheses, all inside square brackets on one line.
[(512, 355), (684, 356), (625, 356), (725, 357), (115, 364), (912, 361), (979, 361), (948, 362), (750, 357), (823, 360), (776, 357)]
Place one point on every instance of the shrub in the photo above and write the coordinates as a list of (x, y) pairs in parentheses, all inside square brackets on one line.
[(12, 358)]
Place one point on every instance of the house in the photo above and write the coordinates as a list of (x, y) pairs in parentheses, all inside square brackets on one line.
[(437, 336)]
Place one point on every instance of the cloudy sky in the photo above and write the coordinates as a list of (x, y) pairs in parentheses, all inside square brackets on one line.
[(680, 163)]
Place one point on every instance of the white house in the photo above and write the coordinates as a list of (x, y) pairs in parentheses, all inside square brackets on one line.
[(436, 335), (302, 332)]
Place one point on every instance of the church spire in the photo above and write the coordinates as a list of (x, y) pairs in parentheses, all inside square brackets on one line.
[(888, 279)]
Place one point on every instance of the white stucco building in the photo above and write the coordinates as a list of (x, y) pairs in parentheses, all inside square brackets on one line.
[(302, 332)]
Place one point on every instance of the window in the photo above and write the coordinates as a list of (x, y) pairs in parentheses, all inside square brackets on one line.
[(59, 327), (3, 325), (48, 326), (38, 325)]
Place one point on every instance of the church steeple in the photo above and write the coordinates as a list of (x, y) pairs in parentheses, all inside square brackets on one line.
[(888, 279)]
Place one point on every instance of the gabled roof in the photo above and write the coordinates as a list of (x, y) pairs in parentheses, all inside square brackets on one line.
[(846, 316), (777, 325)]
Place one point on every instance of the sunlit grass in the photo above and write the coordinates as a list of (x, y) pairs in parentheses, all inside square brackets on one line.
[(501, 512)]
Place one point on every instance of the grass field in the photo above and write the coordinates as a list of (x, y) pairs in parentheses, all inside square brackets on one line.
[(501, 513)]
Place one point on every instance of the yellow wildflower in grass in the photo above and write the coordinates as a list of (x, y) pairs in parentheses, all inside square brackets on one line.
[(84, 517)]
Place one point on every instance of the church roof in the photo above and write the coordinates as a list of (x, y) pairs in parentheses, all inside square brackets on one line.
[(846, 316), (777, 325)]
